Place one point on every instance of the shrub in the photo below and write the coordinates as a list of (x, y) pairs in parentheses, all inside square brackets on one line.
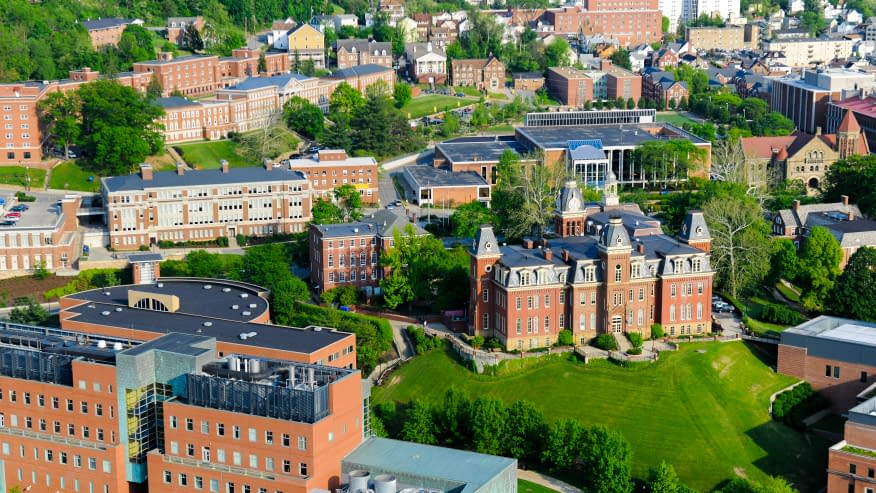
[(222, 241), (241, 239), (605, 342), (342, 295), (23, 197), (564, 338), (795, 405), (40, 272), (779, 314), (476, 342), (635, 339), (492, 343), (635, 350), (657, 331), (90, 279), (422, 342)]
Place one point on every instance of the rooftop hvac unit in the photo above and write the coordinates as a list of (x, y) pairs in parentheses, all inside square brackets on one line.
[(117, 346), (358, 479), (101, 344), (384, 483), (255, 365)]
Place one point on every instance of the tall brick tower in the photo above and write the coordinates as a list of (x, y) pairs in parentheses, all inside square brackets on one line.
[(615, 250), (570, 212), (848, 137), (484, 254)]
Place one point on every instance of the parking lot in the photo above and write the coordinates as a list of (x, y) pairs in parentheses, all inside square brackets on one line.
[(40, 214)]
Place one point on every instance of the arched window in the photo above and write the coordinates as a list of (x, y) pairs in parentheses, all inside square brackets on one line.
[(618, 274)]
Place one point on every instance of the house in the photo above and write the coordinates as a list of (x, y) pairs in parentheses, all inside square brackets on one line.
[(335, 22), (611, 270), (425, 64), (306, 43), (842, 219), (483, 73), (349, 253), (278, 37), (353, 52), (176, 28), (107, 31), (393, 9), (527, 81), (662, 87), (802, 157)]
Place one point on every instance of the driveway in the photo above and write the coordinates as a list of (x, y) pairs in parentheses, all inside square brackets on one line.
[(730, 322)]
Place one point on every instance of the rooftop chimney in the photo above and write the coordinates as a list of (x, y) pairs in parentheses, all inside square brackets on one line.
[(565, 255), (796, 205), (817, 130), (165, 56), (146, 172), (641, 248), (845, 199), (851, 215), (528, 244), (180, 169), (224, 164), (268, 164), (548, 255)]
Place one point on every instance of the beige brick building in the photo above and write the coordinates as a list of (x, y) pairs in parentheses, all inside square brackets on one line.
[(723, 38), (187, 205)]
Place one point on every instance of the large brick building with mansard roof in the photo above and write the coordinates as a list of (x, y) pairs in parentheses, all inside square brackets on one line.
[(611, 270)]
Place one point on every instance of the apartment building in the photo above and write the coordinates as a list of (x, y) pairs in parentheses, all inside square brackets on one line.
[(851, 462), (686, 11), (192, 75), (808, 52), (306, 42), (486, 74), (630, 23), (612, 270), (425, 64), (256, 100), (348, 254), (45, 235), (187, 205), (728, 38), (355, 52), (361, 77), (244, 62), (21, 137), (864, 110), (574, 87), (804, 99), (186, 120), (107, 32), (176, 27), (569, 86), (331, 168)]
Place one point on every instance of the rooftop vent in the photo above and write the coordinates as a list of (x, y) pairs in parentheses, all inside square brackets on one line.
[(208, 286), (107, 293), (243, 336), (208, 324), (105, 313), (117, 346), (161, 285), (244, 295), (118, 308), (101, 344), (235, 307), (253, 305), (246, 313), (226, 290)]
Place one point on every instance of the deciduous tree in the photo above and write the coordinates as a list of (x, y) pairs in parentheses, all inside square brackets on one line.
[(854, 177), (303, 117), (663, 479), (487, 425), (608, 461), (350, 202), (419, 426), (59, 114), (345, 100), (740, 247), (820, 258), (402, 94), (467, 217), (525, 428), (846, 299), (325, 212)]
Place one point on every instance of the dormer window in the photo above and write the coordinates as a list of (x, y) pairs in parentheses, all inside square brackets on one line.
[(620, 241), (678, 266), (696, 265), (524, 278), (699, 231)]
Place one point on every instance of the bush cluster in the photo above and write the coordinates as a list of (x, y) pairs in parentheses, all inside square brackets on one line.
[(795, 405), (220, 242), (564, 338), (342, 295), (90, 279), (422, 342), (606, 342), (779, 314), (23, 197), (635, 339)]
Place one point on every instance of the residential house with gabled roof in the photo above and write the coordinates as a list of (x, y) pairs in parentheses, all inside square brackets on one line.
[(306, 42), (393, 9), (483, 73), (354, 52), (802, 157), (425, 63), (661, 86), (843, 219), (176, 27)]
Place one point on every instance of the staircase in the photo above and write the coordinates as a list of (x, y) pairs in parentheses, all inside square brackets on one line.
[(623, 344)]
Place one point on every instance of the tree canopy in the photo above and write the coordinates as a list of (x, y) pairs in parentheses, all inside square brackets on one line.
[(820, 258), (854, 177), (859, 277), (303, 117)]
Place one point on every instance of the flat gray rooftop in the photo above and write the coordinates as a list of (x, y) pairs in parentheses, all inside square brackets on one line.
[(41, 214), (859, 334), (188, 344), (464, 151), (427, 176), (430, 466), (618, 136), (193, 178)]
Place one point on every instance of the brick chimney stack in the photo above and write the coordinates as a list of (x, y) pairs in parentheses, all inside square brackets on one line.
[(796, 205), (180, 169), (845, 199), (851, 215), (548, 255), (269, 165), (146, 172), (224, 164), (641, 248)]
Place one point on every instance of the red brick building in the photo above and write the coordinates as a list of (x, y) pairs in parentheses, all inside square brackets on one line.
[(192, 75), (569, 86), (630, 23), (176, 27), (48, 239), (244, 62), (349, 254), (662, 86), (332, 168), (361, 77), (851, 463), (611, 274), (483, 73), (107, 31), (354, 52)]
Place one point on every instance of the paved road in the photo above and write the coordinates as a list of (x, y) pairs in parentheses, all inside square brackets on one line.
[(730, 322)]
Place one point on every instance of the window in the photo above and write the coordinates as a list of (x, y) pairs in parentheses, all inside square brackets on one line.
[(199, 483), (190, 424), (205, 427), (183, 479), (517, 302), (83, 406), (302, 469), (562, 297), (92, 463), (236, 432), (853, 468), (547, 300), (302, 443), (98, 409), (285, 439), (220, 429), (287, 465), (252, 434), (173, 422), (269, 437), (836, 372), (618, 273), (167, 477), (529, 302), (672, 290), (827, 370), (864, 376)]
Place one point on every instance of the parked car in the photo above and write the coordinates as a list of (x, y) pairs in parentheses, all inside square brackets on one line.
[(460, 94), (19, 208)]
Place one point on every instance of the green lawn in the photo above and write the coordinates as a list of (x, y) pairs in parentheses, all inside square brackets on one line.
[(524, 486), (467, 90), (432, 103), (18, 175), (70, 176), (788, 293), (674, 118), (706, 413), (206, 155), (755, 304)]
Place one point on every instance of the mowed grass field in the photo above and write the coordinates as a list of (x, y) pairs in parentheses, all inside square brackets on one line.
[(433, 103), (17, 175), (70, 176), (674, 118), (704, 412), (206, 155), (524, 486)]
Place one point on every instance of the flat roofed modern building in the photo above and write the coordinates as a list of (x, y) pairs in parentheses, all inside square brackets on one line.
[(475, 154), (851, 463), (46, 234), (189, 205), (434, 186), (836, 356), (382, 461), (591, 117)]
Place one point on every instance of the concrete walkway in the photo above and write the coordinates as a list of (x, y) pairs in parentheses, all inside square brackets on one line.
[(547, 481)]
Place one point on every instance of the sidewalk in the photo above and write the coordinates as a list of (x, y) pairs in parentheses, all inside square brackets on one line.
[(547, 481)]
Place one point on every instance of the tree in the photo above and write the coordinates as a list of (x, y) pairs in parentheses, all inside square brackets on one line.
[(563, 444), (480, 118), (450, 125), (854, 177), (303, 117), (785, 264), (28, 312), (729, 163), (487, 425), (665, 24), (452, 419), (345, 100), (267, 142), (621, 58), (859, 277), (538, 188), (191, 38), (338, 136), (402, 94), (820, 259), (608, 461), (379, 128), (740, 247), (556, 54), (325, 212), (263, 63), (663, 479), (59, 114), (524, 429), (467, 217), (118, 127), (351, 202), (631, 104), (419, 426), (154, 89)]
